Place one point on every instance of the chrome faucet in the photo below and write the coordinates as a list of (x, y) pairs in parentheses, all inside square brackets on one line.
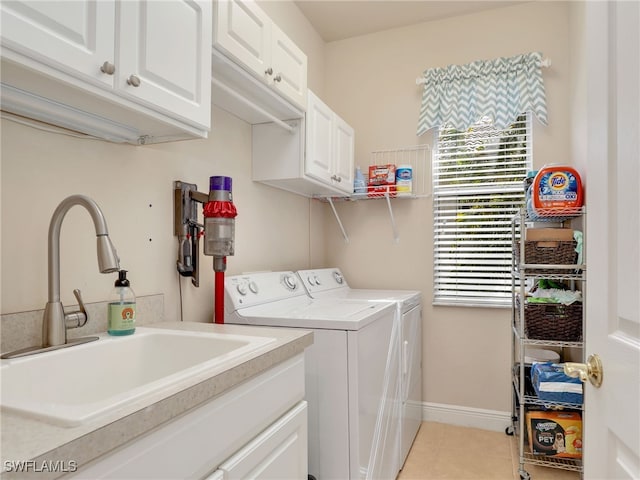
[(55, 321)]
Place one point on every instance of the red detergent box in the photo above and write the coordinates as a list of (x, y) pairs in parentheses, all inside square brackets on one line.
[(382, 179)]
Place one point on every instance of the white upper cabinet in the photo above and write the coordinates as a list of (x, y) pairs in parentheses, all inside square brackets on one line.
[(344, 153), (135, 70), (164, 56), (244, 32), (75, 37), (319, 138), (315, 159), (330, 146), (289, 65)]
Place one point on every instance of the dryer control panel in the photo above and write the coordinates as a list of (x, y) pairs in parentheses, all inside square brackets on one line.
[(322, 280)]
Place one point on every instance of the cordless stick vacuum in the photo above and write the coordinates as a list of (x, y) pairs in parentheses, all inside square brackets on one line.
[(218, 230)]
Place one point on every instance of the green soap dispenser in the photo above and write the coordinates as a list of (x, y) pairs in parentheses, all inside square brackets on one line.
[(122, 307)]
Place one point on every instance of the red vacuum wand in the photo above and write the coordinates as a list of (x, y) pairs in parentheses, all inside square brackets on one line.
[(219, 233)]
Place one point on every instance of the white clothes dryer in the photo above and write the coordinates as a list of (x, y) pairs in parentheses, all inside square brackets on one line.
[(328, 283), (351, 370)]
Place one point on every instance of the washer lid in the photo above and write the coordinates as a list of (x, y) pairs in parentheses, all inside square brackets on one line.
[(331, 283), (371, 294), (329, 314)]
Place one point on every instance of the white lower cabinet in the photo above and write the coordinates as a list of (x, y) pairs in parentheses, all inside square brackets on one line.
[(279, 453), (256, 430)]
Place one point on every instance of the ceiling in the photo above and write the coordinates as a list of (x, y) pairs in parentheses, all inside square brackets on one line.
[(340, 19)]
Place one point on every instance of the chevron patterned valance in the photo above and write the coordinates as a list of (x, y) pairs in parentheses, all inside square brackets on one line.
[(459, 95)]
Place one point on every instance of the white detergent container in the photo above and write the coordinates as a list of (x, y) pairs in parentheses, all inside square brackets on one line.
[(538, 355)]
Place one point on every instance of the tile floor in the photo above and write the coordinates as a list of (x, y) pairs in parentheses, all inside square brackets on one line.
[(449, 452)]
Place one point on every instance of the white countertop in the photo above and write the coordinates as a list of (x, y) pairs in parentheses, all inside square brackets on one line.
[(25, 439)]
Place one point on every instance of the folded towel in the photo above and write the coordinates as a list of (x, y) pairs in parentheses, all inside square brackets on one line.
[(555, 295)]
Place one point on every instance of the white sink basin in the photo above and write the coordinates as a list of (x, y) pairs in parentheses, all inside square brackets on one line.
[(77, 384)]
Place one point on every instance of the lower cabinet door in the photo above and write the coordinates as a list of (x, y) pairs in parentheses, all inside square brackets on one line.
[(278, 453)]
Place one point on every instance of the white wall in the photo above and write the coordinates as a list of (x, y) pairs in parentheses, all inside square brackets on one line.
[(370, 82), (578, 88), (133, 186)]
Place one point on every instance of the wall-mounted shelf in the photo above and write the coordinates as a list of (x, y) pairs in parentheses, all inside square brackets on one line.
[(418, 157)]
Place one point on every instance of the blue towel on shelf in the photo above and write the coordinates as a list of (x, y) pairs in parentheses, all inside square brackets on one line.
[(553, 385)]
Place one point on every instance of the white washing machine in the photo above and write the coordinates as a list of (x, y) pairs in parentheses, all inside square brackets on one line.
[(351, 371), (330, 283)]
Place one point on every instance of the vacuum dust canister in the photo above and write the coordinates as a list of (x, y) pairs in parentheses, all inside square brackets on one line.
[(219, 218)]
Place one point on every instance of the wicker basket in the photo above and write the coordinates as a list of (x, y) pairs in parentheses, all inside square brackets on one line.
[(552, 321), (537, 252)]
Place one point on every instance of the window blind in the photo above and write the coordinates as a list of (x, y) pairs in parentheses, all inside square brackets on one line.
[(477, 189)]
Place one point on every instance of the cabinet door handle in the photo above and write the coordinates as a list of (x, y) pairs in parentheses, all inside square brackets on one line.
[(133, 80), (108, 68), (268, 71), (277, 78)]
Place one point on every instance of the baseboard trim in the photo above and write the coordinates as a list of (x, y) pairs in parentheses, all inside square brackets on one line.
[(493, 420)]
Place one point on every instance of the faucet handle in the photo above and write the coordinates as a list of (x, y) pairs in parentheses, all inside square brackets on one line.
[(78, 295), (79, 318)]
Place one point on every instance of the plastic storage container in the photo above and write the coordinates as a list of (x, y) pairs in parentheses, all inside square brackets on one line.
[(556, 188), (359, 185), (404, 179)]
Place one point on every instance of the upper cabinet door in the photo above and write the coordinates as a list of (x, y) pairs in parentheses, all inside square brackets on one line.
[(243, 30), (76, 37), (319, 144), (246, 34), (165, 56), (289, 65), (344, 154)]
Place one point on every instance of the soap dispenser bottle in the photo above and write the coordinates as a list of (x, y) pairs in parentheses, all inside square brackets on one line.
[(122, 307)]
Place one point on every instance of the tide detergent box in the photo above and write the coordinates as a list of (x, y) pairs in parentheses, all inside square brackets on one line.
[(555, 433), (556, 187)]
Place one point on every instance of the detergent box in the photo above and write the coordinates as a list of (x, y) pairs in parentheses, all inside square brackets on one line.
[(382, 179), (555, 433), (556, 187)]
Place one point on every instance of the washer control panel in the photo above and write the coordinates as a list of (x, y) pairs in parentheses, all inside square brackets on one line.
[(261, 287)]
